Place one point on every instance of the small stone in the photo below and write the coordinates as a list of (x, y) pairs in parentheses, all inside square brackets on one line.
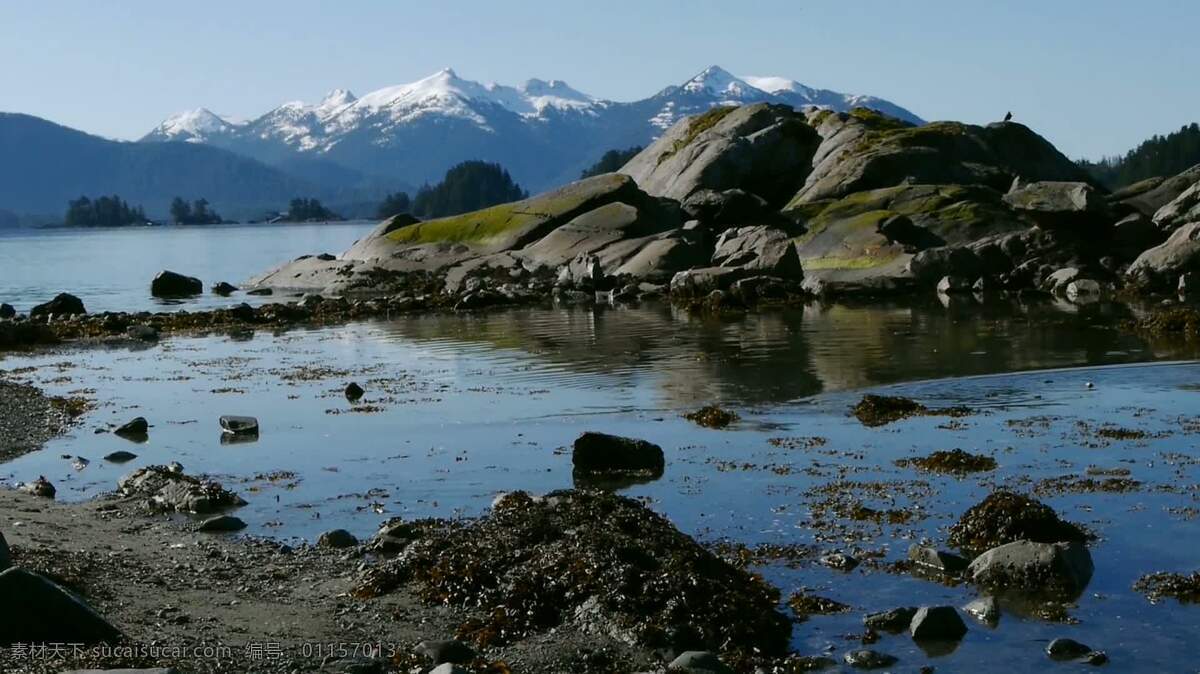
[(937, 623), (839, 561), (138, 426), (237, 425), (1066, 649), (985, 610), (222, 523), (338, 538), (893, 620), (932, 558), (865, 658), (354, 391), (223, 289), (440, 652), (40, 487), (121, 456), (699, 662)]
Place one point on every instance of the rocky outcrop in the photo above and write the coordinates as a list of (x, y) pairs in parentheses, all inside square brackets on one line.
[(63, 304), (1161, 266), (1183, 209), (167, 488), (1148, 196), (763, 149), (1060, 204)]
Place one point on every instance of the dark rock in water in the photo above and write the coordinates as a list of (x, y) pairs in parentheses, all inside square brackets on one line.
[(142, 333), (712, 416), (1003, 517), (237, 425), (171, 284), (985, 609), (63, 304), (950, 285), (338, 538), (138, 427), (35, 610), (1067, 649), (865, 658), (167, 488), (260, 291), (224, 289), (439, 652), (221, 524), (698, 662), (840, 561), (1034, 567), (5, 554), (1184, 587), (120, 456), (937, 623), (40, 487), (354, 391), (893, 620), (937, 560), (7, 311), (603, 453), (954, 461), (533, 564), (877, 410)]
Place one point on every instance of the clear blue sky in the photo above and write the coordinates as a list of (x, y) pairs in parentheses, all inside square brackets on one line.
[(1095, 77)]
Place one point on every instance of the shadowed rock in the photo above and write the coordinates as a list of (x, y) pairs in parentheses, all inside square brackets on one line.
[(35, 610), (171, 284), (63, 304), (602, 453)]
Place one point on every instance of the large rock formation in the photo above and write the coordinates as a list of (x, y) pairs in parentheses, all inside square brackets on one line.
[(1161, 266)]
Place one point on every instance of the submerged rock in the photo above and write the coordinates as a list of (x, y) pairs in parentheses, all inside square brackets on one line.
[(63, 304), (133, 429), (224, 289), (1064, 649), (34, 609), (877, 410), (892, 620), (604, 453), (1004, 517), (167, 488), (1034, 567), (171, 284), (866, 658), (603, 562), (120, 456), (937, 623), (984, 609)]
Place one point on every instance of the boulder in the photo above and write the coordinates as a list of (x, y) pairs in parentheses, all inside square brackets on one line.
[(172, 284), (1161, 266), (224, 289), (1029, 566), (136, 428), (937, 560), (34, 609), (5, 554), (63, 304), (452, 651), (40, 487), (221, 524), (602, 453), (763, 148), (7, 311), (892, 620), (759, 249), (1148, 196), (698, 662), (702, 282), (339, 539), (865, 150), (1183, 209), (937, 623), (167, 488), (1004, 517), (353, 392), (866, 658), (1082, 291), (728, 208), (584, 271), (238, 425), (984, 609), (1060, 204), (1058, 281)]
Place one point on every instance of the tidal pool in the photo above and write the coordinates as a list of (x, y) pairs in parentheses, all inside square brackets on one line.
[(459, 408)]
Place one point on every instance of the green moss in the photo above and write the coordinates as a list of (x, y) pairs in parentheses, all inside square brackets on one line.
[(859, 262), (820, 116), (876, 120), (696, 126)]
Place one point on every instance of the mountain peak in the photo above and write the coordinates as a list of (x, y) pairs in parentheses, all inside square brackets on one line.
[(192, 125), (717, 80), (338, 97)]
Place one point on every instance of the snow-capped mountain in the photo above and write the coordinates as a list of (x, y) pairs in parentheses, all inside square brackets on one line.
[(543, 131)]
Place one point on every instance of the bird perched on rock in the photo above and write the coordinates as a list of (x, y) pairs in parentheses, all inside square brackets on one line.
[(1008, 117)]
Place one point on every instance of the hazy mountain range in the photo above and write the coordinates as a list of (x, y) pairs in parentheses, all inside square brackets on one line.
[(354, 149)]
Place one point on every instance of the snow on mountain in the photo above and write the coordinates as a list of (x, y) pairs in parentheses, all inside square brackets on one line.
[(544, 131), (193, 126)]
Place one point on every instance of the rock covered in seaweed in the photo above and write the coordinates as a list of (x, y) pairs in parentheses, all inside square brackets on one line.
[(1004, 517), (601, 561)]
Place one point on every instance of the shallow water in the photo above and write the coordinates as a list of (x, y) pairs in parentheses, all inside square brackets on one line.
[(111, 268), (460, 408)]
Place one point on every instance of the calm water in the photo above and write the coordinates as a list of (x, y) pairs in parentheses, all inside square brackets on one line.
[(462, 407), (111, 269)]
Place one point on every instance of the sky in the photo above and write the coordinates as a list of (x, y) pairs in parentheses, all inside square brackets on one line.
[(1095, 77)]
